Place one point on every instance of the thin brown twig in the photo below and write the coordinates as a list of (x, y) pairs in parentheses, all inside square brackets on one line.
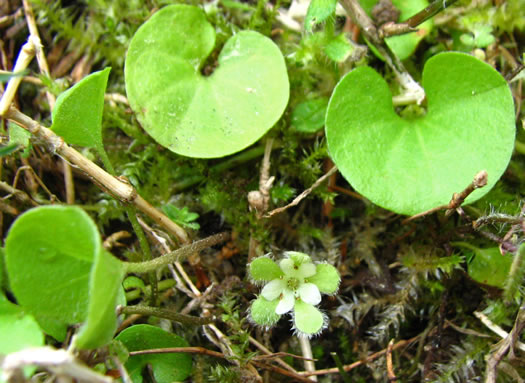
[(480, 180), (413, 91), (28, 168), (504, 347), (297, 376), (348, 367), (166, 314), (269, 353), (173, 350), (20, 195), (389, 365), (118, 187), (44, 69), (303, 195), (409, 25)]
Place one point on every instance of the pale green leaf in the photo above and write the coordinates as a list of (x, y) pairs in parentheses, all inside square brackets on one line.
[(167, 368), (195, 115), (49, 254), (412, 165), (77, 115), (104, 288), (308, 116)]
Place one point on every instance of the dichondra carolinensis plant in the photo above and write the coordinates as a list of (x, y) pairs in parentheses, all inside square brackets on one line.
[(294, 285)]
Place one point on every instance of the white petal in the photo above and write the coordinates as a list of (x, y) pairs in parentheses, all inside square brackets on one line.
[(286, 303), (307, 270), (287, 266), (273, 289), (309, 293)]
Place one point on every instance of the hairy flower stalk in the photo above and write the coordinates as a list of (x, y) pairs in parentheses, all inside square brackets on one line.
[(295, 286)]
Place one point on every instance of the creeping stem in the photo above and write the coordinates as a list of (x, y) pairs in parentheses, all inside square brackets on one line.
[(175, 256)]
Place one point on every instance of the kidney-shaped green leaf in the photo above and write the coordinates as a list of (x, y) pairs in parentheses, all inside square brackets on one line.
[(196, 115), (488, 266), (49, 254), (77, 115), (166, 368), (411, 165)]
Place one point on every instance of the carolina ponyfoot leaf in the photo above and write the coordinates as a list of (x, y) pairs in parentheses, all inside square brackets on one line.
[(77, 116), (263, 311), (488, 266), (19, 331), (307, 319), (200, 116), (411, 165), (52, 248), (326, 278), (166, 368), (264, 269), (308, 116)]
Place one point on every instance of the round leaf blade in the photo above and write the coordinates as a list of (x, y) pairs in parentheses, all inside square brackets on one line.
[(49, 254), (412, 165), (199, 116), (167, 368)]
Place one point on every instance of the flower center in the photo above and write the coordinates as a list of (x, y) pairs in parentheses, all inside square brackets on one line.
[(293, 283)]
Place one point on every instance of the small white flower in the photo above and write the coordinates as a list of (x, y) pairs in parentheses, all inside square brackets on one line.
[(292, 286)]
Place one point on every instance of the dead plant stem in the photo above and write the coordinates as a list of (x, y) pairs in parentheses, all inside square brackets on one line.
[(116, 186)]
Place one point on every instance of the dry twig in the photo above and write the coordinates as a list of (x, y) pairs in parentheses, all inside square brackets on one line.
[(303, 195), (480, 180)]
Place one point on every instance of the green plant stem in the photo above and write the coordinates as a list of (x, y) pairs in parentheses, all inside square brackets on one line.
[(131, 212), (241, 158), (515, 276), (144, 246), (175, 256), (166, 314), (137, 293), (344, 375), (105, 160)]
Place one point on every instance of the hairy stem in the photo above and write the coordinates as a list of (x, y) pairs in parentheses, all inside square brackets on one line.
[(175, 256), (166, 314)]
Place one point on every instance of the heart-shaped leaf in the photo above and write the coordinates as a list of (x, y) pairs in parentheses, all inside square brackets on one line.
[(192, 114), (411, 165), (77, 115), (52, 248), (58, 249), (166, 368)]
